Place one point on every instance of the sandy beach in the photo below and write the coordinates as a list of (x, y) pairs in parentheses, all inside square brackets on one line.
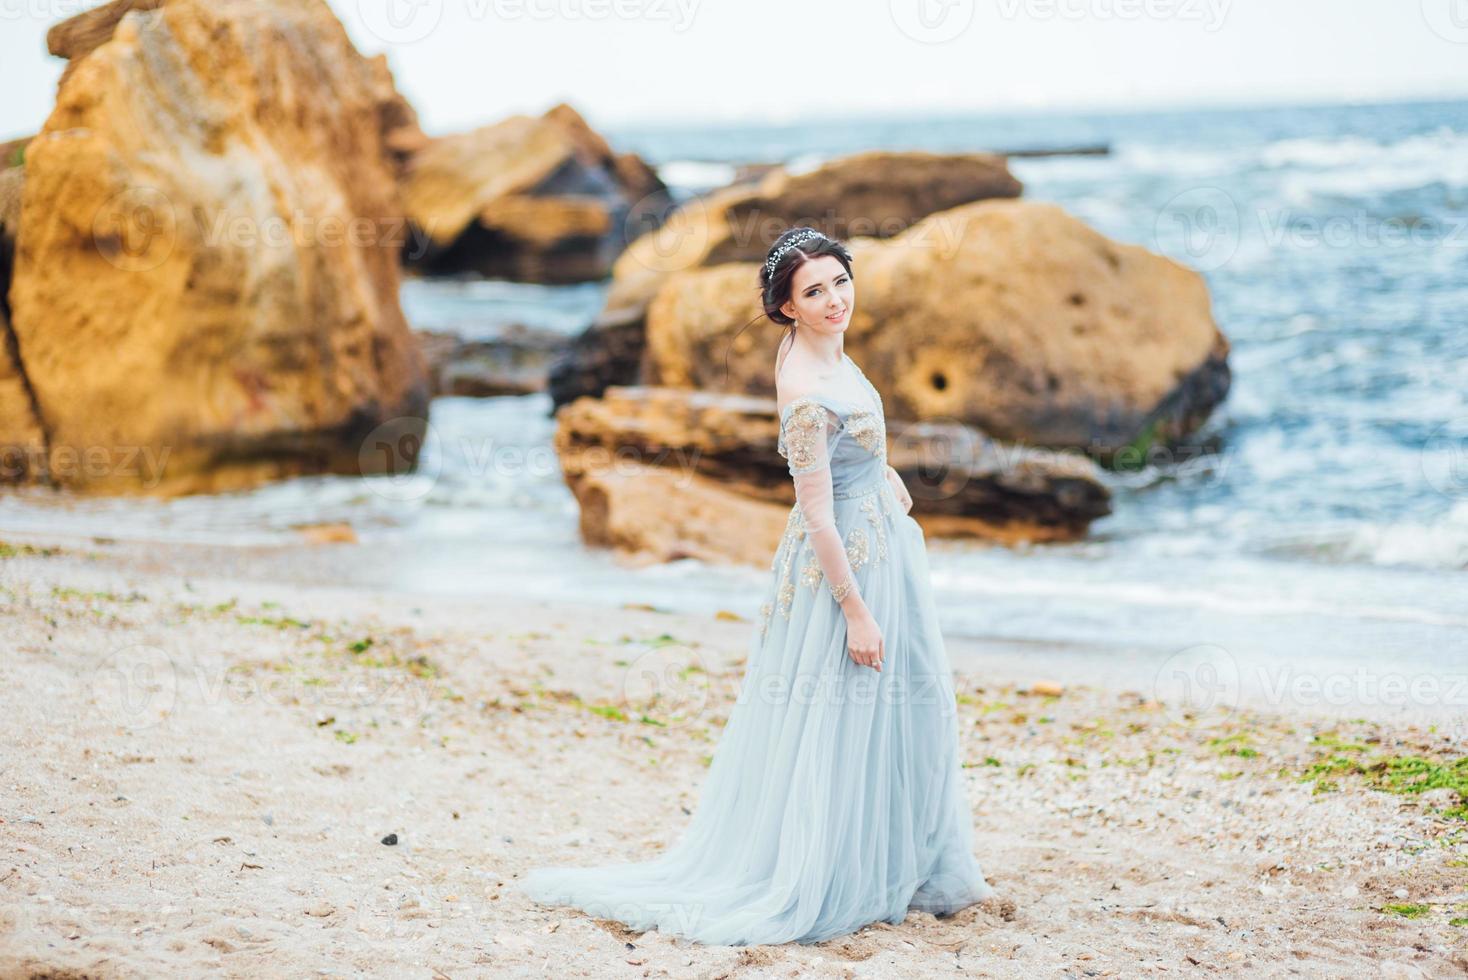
[(213, 775), (396, 429)]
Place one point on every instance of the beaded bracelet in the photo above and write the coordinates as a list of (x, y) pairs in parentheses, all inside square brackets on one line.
[(838, 592)]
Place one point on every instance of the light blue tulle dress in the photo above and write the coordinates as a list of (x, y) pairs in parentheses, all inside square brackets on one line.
[(835, 797)]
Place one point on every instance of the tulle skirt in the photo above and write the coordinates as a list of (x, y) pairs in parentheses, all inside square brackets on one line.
[(835, 797)]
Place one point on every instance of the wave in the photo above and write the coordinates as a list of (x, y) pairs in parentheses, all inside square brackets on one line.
[(1433, 545), (1262, 591), (696, 175), (1345, 166)]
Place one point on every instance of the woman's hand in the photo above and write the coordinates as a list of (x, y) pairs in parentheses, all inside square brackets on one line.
[(864, 643), (900, 489)]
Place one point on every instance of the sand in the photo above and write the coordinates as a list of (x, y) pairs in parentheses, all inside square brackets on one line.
[(202, 773)]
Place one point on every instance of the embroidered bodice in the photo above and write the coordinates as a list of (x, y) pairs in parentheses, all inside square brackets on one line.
[(856, 461), (829, 470)]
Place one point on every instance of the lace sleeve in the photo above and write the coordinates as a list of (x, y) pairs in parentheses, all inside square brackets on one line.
[(808, 435), (811, 428)]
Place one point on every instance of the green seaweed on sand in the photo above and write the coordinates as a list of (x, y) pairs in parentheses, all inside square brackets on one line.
[(1399, 774), (8, 550), (1407, 910)]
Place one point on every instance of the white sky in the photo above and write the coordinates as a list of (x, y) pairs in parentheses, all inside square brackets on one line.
[(467, 62)]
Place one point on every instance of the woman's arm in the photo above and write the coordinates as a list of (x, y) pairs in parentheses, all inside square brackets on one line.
[(811, 425), (899, 489)]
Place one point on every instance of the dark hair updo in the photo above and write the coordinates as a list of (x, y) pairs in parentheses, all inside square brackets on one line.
[(776, 285)]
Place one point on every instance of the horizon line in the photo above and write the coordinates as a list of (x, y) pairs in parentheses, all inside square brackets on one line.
[(1109, 108), (936, 112)]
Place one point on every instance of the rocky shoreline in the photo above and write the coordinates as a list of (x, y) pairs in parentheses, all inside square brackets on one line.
[(242, 221)]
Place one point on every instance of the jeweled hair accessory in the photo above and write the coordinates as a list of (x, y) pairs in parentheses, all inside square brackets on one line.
[(779, 253)]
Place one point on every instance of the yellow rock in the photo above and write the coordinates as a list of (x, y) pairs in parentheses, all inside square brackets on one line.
[(328, 533), (1011, 316), (206, 277)]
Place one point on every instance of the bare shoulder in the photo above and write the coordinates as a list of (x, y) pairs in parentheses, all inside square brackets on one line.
[(792, 384)]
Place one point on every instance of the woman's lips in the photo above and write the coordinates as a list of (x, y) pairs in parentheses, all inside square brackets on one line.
[(838, 316)]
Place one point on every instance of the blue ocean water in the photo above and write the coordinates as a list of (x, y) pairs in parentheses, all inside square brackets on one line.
[(1330, 528)]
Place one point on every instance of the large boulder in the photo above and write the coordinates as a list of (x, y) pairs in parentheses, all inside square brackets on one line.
[(402, 137), (77, 37), (1010, 316), (538, 199), (875, 194), (651, 514), (512, 363), (22, 443), (206, 275), (12, 155), (664, 473)]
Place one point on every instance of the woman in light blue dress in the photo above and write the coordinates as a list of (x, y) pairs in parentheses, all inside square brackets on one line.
[(835, 798)]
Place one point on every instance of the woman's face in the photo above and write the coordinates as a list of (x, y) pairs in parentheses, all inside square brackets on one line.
[(820, 289)]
